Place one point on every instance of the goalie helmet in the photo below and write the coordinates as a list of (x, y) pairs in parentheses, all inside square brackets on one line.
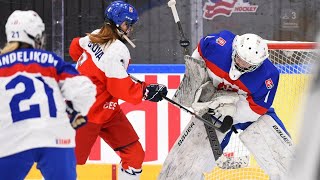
[(26, 27), (248, 53), (119, 12)]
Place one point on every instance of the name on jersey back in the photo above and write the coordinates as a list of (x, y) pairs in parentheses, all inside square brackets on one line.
[(27, 56)]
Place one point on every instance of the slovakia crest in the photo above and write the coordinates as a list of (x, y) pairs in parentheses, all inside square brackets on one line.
[(269, 83), (130, 9), (221, 41), (214, 8)]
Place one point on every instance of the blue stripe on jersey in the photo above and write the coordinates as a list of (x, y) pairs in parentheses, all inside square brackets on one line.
[(41, 57), (29, 56), (65, 67)]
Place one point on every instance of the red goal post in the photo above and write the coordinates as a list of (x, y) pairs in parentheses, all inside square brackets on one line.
[(292, 45)]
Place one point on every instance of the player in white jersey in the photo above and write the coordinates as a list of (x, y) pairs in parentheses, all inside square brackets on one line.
[(34, 85)]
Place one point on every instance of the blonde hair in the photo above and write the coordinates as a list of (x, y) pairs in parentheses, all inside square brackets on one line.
[(106, 34), (14, 45), (9, 47)]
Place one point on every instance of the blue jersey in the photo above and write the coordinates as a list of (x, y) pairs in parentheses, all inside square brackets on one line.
[(257, 89), (34, 85)]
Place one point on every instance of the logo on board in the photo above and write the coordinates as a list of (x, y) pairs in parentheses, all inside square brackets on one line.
[(214, 8)]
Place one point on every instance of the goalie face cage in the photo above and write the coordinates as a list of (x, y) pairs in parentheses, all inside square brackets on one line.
[(294, 61)]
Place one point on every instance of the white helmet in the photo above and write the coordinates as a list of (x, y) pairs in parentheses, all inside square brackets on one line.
[(27, 27), (251, 49)]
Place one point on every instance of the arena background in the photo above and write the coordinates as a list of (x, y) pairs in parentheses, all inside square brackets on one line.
[(159, 58), (156, 34)]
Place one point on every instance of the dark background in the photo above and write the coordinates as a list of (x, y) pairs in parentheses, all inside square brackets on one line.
[(156, 34)]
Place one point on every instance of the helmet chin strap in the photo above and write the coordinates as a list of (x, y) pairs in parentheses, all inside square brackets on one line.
[(124, 35)]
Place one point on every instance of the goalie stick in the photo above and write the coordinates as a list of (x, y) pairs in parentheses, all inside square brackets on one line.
[(213, 139), (212, 121), (184, 42)]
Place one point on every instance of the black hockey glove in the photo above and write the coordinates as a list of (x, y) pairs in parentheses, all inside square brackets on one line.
[(76, 119), (154, 92)]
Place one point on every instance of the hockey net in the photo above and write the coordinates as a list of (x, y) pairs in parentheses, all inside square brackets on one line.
[(294, 61)]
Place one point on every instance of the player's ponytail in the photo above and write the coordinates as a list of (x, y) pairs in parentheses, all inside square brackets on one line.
[(106, 34), (9, 47), (14, 45)]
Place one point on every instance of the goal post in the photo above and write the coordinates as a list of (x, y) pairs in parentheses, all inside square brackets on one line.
[(294, 61), (292, 45)]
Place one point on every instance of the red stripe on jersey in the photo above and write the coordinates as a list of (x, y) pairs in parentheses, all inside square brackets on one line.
[(34, 68), (222, 74), (75, 50), (64, 76), (255, 107)]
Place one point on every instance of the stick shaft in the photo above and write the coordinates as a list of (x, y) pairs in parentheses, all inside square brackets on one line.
[(216, 124)]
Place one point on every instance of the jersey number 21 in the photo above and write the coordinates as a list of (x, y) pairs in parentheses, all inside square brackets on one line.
[(29, 90)]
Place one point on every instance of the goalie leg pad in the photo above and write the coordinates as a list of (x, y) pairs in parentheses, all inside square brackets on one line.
[(271, 146), (191, 155)]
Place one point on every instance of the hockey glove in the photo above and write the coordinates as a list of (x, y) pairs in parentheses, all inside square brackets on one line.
[(217, 103), (76, 119), (154, 92)]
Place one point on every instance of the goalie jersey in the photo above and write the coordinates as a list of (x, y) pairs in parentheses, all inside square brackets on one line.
[(33, 87), (256, 89)]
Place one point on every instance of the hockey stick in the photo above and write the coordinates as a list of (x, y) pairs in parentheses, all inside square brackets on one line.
[(184, 42), (212, 135), (221, 126), (212, 122)]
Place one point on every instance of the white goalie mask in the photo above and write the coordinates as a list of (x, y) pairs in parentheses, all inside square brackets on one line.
[(248, 53), (26, 27)]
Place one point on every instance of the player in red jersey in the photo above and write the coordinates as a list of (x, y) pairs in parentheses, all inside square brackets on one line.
[(104, 58)]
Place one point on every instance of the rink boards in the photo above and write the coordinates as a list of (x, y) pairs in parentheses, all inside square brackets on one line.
[(159, 124)]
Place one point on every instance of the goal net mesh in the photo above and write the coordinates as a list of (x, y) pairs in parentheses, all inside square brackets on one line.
[(294, 61)]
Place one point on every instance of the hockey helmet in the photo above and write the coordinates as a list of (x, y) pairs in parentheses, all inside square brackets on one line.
[(27, 27), (119, 12), (248, 53)]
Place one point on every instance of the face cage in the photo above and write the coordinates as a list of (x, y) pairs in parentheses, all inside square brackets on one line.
[(243, 69), (39, 41)]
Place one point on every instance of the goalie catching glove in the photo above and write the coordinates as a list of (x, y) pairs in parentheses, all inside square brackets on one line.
[(155, 92), (76, 119), (217, 103)]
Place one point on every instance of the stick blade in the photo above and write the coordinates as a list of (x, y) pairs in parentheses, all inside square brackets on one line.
[(226, 124)]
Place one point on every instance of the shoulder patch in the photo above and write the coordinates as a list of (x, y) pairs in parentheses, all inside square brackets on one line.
[(221, 41), (269, 83)]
